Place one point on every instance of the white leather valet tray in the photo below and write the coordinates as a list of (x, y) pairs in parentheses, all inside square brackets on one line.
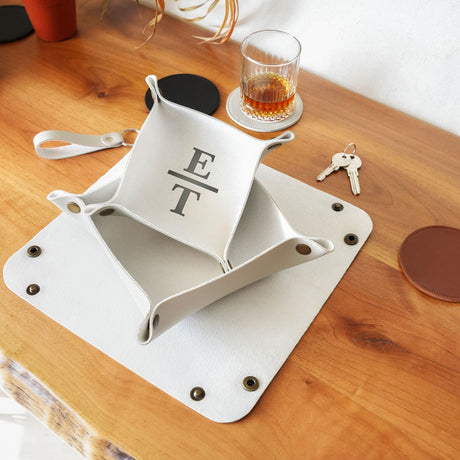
[(219, 360)]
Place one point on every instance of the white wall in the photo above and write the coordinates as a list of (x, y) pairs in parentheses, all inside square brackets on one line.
[(403, 53)]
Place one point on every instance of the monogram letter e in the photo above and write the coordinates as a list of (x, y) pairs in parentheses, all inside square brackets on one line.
[(198, 161)]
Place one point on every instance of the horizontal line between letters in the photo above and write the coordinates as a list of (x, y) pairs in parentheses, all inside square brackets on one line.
[(193, 181)]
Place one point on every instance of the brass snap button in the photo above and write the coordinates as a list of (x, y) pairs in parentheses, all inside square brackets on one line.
[(33, 289), (337, 207), (197, 393), (34, 251), (303, 249), (73, 207), (251, 383), (351, 239)]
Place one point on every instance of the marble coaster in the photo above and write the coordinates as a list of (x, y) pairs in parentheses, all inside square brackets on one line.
[(236, 114)]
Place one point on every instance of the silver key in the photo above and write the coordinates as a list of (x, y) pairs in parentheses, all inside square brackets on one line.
[(352, 171), (339, 160)]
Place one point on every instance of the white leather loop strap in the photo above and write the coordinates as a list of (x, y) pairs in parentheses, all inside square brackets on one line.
[(76, 144)]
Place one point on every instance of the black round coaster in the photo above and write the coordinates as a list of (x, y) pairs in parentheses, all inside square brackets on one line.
[(14, 23), (189, 90)]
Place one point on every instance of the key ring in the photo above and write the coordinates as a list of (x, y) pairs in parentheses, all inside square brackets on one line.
[(354, 148), (129, 130)]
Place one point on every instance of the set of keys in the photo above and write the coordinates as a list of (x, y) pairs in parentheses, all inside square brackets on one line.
[(349, 161)]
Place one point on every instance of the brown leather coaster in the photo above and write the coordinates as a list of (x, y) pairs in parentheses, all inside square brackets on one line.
[(430, 259)]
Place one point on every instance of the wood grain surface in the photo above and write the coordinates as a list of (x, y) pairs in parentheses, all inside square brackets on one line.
[(377, 375)]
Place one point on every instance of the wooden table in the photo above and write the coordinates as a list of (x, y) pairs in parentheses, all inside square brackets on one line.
[(377, 375)]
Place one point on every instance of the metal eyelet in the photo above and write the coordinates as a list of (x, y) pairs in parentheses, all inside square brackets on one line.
[(251, 383), (303, 249), (107, 212), (34, 251), (197, 393), (351, 239), (73, 207), (33, 289), (337, 207)]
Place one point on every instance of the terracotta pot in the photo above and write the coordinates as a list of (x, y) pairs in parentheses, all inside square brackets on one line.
[(53, 20)]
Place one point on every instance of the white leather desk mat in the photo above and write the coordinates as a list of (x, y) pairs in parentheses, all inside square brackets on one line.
[(248, 333)]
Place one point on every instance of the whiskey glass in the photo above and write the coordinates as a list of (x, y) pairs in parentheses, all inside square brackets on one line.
[(269, 72)]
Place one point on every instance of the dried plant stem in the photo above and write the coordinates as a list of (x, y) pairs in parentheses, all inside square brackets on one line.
[(152, 25), (221, 36), (228, 24)]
